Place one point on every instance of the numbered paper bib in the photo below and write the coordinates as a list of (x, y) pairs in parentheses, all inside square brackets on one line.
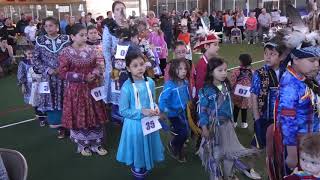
[(150, 125), (44, 88), (158, 49), (243, 91), (98, 93), (157, 71), (121, 51)]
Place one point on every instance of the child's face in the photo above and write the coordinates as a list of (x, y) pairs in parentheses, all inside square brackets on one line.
[(307, 66), (28, 54), (182, 71), (155, 28), (80, 38), (220, 73), (93, 35), (212, 49), (184, 29), (137, 68), (271, 57), (180, 51), (51, 28), (119, 11), (4, 43), (310, 165)]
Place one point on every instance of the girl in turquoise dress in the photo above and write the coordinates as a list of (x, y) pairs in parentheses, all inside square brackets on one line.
[(136, 102)]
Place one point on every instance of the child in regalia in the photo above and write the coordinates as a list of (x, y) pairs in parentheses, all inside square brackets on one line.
[(82, 114), (156, 40), (28, 78), (264, 90), (220, 144), (46, 63), (137, 101), (153, 65), (298, 107), (173, 102), (209, 46), (309, 159), (94, 40), (180, 52)]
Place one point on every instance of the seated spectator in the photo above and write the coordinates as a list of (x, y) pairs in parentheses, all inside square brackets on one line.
[(6, 55), (264, 20)]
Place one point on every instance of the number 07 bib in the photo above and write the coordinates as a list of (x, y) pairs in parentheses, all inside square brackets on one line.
[(243, 91)]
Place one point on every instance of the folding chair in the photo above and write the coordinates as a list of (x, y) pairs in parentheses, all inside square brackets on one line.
[(15, 164)]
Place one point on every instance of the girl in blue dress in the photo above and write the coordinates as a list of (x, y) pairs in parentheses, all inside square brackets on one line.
[(137, 150)]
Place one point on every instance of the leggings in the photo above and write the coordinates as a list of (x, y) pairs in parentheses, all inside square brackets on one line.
[(236, 113)]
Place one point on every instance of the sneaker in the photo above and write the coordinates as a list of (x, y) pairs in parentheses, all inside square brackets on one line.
[(182, 158), (61, 134), (244, 125), (86, 152), (252, 174), (42, 123), (101, 151), (235, 125), (171, 151)]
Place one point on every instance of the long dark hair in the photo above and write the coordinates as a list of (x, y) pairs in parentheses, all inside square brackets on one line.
[(134, 52), (213, 63), (175, 63), (76, 29)]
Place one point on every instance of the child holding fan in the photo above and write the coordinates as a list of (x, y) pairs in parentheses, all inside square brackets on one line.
[(84, 116), (173, 102), (137, 102)]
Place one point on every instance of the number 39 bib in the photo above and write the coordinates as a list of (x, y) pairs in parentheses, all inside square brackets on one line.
[(243, 91), (150, 125)]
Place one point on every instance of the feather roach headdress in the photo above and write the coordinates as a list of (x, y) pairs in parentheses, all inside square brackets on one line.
[(204, 36)]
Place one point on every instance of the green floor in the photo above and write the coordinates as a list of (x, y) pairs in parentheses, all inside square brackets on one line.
[(52, 159)]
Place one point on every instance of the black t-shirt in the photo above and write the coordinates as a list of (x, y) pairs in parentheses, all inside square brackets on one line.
[(21, 25), (6, 31)]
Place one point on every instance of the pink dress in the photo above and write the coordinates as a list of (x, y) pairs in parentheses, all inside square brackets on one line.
[(159, 44), (80, 110)]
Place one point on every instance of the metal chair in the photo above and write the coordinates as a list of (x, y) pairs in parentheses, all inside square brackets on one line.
[(236, 35), (15, 163)]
